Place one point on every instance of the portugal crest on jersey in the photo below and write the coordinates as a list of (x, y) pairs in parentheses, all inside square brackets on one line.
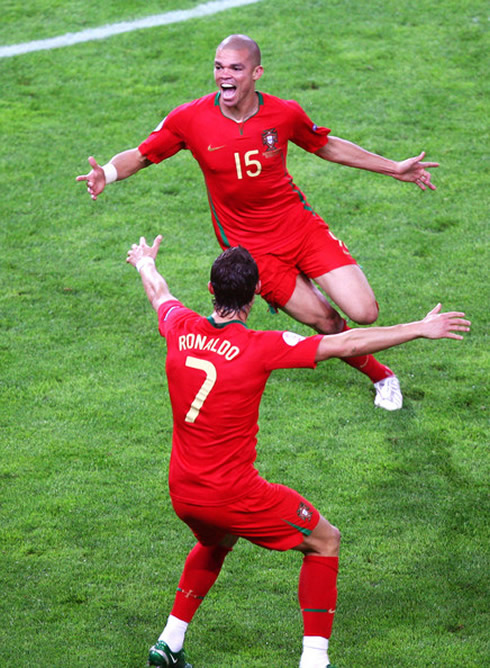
[(304, 512), (270, 139)]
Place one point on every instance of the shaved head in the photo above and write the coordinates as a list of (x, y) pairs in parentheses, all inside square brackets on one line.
[(242, 42)]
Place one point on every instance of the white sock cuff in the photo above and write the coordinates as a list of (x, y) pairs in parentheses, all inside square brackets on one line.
[(315, 642), (174, 633), (177, 623)]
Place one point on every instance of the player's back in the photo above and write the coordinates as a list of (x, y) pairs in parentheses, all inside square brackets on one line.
[(216, 378)]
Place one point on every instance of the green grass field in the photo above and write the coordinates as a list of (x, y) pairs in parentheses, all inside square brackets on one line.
[(90, 551)]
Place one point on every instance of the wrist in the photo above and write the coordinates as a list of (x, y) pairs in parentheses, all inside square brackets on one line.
[(142, 262), (415, 329), (110, 173)]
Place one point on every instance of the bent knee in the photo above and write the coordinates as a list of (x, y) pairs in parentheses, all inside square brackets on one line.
[(334, 540), (329, 545), (328, 323), (364, 314)]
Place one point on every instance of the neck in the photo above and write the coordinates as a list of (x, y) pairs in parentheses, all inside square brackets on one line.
[(241, 315), (243, 111)]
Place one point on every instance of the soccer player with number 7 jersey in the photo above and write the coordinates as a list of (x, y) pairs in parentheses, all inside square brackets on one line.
[(217, 370), (240, 136)]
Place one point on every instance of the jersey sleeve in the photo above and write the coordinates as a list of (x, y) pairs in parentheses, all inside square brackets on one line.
[(287, 350), (165, 141), (166, 312), (305, 133)]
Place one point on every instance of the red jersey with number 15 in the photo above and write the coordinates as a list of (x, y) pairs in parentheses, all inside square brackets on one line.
[(216, 377), (253, 200)]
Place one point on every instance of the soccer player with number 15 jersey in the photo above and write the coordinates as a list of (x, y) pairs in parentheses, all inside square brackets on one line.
[(240, 136)]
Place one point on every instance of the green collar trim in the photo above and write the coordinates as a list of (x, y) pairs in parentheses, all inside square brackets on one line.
[(221, 325)]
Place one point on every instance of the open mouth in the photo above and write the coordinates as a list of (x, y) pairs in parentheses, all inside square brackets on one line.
[(228, 91)]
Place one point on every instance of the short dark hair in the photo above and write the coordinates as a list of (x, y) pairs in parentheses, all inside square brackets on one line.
[(234, 278), (238, 42)]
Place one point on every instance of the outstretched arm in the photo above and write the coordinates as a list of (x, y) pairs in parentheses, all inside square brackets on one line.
[(361, 341), (118, 168), (346, 153), (143, 257)]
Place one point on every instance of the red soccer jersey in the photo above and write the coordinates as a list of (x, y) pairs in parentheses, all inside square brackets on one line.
[(252, 197), (216, 377)]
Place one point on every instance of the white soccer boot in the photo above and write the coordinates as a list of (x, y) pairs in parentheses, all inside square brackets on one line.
[(388, 394)]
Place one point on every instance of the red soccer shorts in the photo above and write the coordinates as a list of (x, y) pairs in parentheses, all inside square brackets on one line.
[(273, 516), (316, 253)]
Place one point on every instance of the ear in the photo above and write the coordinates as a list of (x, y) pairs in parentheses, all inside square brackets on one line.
[(258, 72), (258, 287), (210, 287)]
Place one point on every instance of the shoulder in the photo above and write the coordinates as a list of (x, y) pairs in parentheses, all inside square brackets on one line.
[(272, 340), (285, 349), (205, 102), (171, 310), (273, 101), (183, 118)]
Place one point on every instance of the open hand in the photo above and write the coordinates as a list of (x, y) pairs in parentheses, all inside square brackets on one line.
[(415, 171), (141, 250), (437, 325), (95, 179)]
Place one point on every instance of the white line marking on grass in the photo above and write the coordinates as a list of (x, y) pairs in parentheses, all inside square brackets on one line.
[(207, 9)]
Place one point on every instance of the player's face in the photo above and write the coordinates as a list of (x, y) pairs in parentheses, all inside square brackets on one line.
[(235, 76)]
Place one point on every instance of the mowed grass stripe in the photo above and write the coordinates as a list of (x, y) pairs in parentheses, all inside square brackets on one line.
[(156, 20)]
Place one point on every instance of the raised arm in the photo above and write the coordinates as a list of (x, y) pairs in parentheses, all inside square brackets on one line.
[(118, 168), (361, 341), (346, 153), (143, 258)]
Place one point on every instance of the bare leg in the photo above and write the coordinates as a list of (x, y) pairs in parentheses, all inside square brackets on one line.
[(309, 306), (324, 540), (349, 288), (346, 286)]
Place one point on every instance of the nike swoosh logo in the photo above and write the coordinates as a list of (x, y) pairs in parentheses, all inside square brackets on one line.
[(215, 148)]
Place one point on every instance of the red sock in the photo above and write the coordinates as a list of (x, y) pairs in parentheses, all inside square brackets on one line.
[(317, 594), (367, 364), (201, 569)]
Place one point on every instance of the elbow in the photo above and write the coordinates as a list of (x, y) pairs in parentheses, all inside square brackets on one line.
[(140, 159), (324, 153), (329, 151)]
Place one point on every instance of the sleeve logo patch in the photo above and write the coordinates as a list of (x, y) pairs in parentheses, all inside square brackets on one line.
[(291, 338)]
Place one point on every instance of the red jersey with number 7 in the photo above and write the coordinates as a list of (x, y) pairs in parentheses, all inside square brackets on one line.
[(216, 376), (252, 197)]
